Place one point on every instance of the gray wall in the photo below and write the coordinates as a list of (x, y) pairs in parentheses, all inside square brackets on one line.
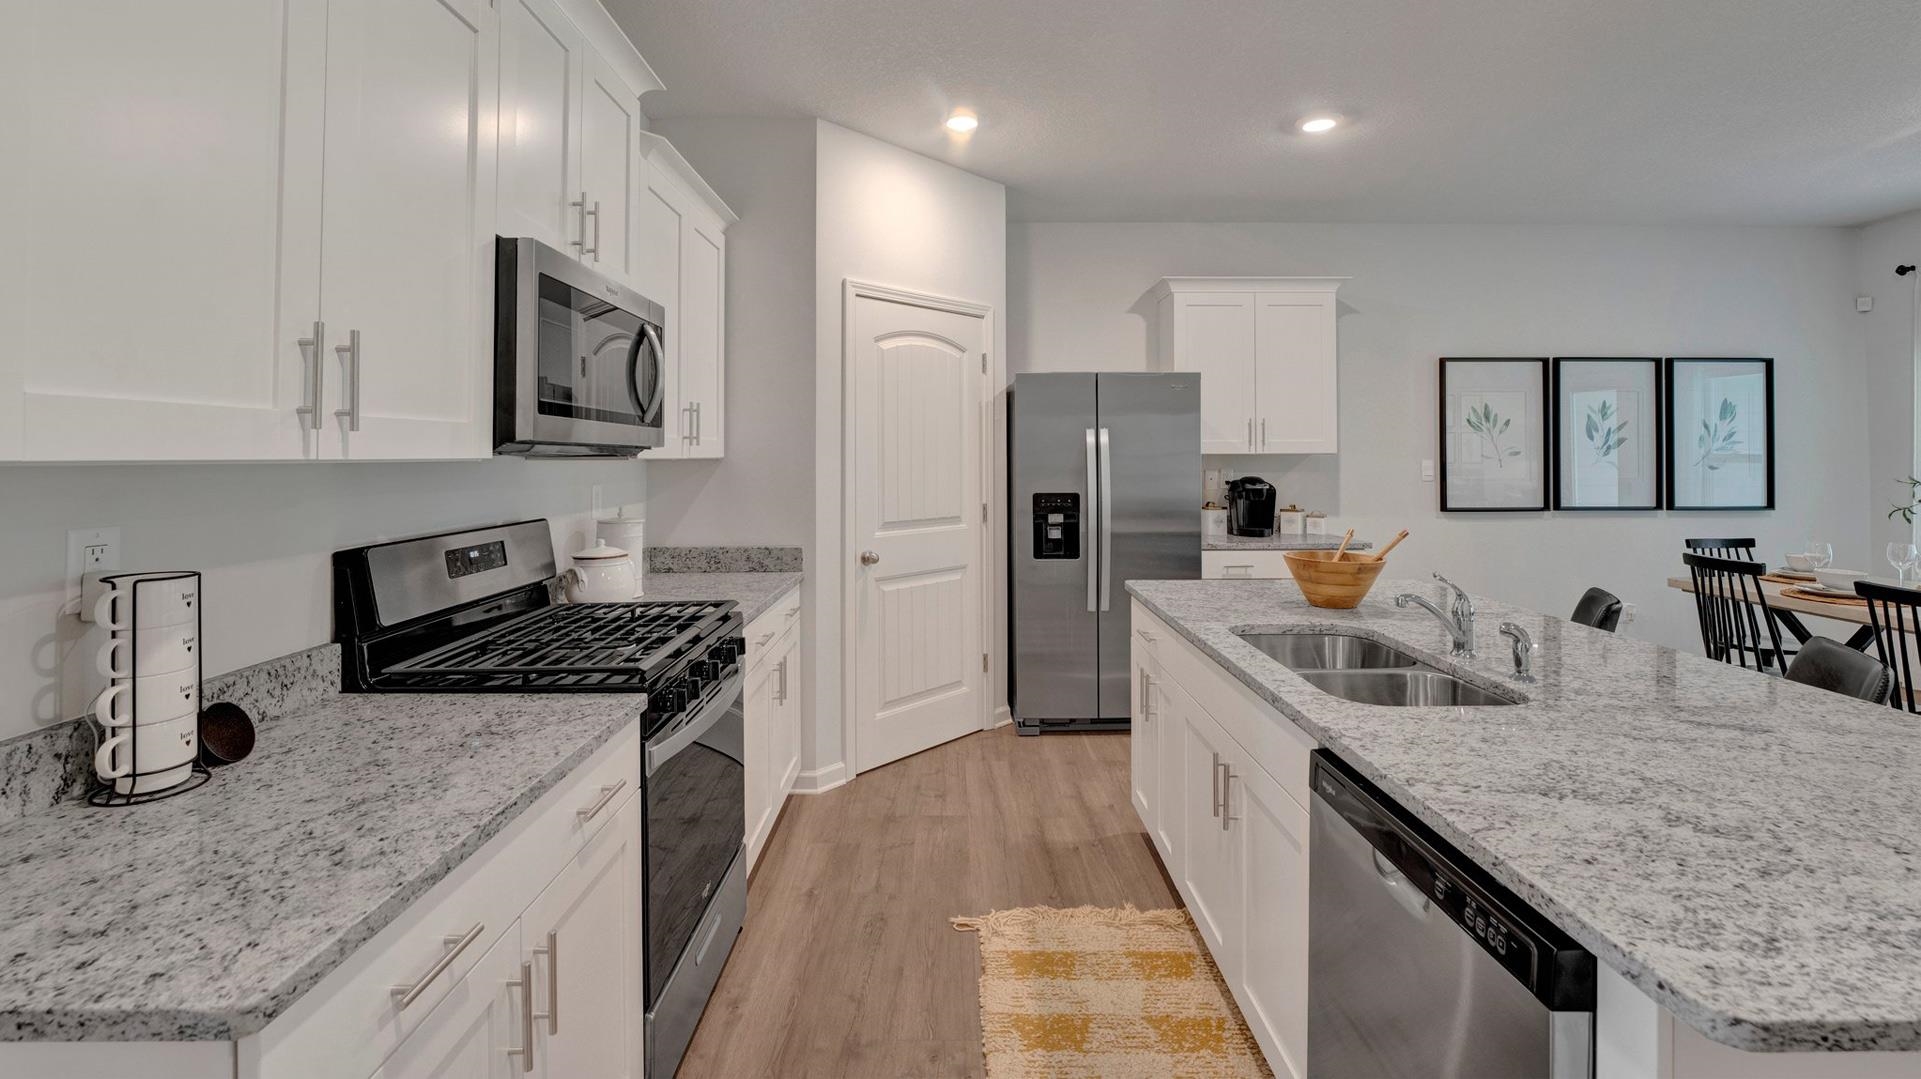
[(1889, 353), (1420, 292)]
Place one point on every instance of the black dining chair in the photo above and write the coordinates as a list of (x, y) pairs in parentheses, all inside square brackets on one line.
[(1599, 608), (1742, 549), (1828, 664), (1736, 621), (1894, 613)]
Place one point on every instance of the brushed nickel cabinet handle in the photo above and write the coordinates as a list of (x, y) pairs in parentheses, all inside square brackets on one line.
[(580, 204), (552, 951), (764, 638), (1263, 434), (1250, 433), (525, 1051), (1227, 794), (349, 354), (1216, 773), (407, 994), (310, 348), (596, 213), (606, 795)]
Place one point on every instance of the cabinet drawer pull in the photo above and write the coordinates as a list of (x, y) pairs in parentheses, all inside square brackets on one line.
[(349, 354), (1148, 637), (581, 205), (552, 952), (606, 795), (311, 346), (764, 638), (1216, 773), (1263, 425), (596, 212), (525, 1051), (407, 994), (1227, 794), (791, 612)]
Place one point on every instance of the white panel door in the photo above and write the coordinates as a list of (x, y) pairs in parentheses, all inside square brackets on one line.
[(1216, 338), (469, 1032), (1296, 406), (408, 239), (542, 57), (1210, 861), (165, 276), (609, 161), (703, 291), (1272, 833), (583, 934), (914, 383)]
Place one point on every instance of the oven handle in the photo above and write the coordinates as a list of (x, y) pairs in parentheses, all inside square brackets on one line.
[(661, 752)]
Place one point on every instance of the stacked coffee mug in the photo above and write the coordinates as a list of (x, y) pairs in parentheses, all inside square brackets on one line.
[(150, 709)]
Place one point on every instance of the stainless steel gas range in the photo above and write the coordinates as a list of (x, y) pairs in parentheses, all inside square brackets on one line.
[(472, 612)]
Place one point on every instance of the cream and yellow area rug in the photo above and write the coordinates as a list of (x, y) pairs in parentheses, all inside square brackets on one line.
[(1114, 994)]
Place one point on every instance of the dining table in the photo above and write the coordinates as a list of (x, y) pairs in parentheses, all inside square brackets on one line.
[(1788, 610)]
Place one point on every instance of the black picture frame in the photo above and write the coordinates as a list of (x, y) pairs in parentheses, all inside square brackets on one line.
[(1676, 455), (1656, 444), (1540, 365)]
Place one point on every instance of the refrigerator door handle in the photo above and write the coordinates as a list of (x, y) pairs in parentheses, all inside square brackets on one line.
[(1087, 525), (1107, 520)]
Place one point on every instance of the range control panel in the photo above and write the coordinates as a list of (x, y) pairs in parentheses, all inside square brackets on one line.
[(1057, 525)]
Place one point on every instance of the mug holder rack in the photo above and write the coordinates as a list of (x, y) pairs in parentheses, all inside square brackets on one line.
[(104, 791)]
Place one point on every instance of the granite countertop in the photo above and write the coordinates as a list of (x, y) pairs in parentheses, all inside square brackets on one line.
[(202, 917), (1279, 543), (755, 592), (1744, 849)]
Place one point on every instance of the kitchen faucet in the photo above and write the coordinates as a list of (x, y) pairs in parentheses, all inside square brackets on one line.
[(1523, 651), (1458, 618)]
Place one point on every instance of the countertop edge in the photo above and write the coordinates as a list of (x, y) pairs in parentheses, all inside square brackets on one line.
[(250, 1017), (1732, 1031)]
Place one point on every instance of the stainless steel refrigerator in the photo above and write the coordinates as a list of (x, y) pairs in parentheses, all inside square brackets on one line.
[(1104, 474)]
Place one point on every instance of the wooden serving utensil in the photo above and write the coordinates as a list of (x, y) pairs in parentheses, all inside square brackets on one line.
[(1345, 540), (1391, 544)]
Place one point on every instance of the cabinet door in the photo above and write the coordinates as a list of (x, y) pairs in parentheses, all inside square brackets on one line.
[(165, 236), (609, 158), (703, 288), (1144, 742), (408, 235), (787, 727), (1272, 832), (583, 935), (757, 723), (542, 57), (1214, 334), (659, 227), (1170, 777), (469, 1032), (1294, 373), (1210, 861)]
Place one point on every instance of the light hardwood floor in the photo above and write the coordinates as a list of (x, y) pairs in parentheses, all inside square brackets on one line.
[(847, 966)]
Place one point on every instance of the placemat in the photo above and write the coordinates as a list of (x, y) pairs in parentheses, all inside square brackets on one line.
[(1823, 597), (1782, 576)]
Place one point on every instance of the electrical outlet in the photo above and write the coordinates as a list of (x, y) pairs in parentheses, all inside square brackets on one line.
[(90, 551), (1864, 304), (1628, 613)]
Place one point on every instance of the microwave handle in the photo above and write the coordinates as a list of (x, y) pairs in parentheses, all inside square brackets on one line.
[(651, 405)]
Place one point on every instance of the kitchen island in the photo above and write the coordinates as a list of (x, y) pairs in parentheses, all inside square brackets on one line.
[(1740, 854)]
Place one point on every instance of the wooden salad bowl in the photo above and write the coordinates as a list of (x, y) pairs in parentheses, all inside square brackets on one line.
[(1336, 579)]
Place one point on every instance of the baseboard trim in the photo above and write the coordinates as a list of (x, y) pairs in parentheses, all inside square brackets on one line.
[(821, 780), (1002, 717)]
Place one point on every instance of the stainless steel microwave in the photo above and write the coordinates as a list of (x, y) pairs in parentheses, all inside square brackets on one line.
[(579, 359)]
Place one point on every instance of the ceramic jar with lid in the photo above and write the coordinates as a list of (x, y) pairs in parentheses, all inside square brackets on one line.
[(600, 574)]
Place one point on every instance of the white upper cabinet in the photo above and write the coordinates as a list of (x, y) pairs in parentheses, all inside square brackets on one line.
[(407, 254), (609, 167), (1265, 350), (681, 236), (541, 68), (147, 137)]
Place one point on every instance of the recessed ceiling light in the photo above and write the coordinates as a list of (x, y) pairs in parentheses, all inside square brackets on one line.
[(1314, 125), (963, 122)]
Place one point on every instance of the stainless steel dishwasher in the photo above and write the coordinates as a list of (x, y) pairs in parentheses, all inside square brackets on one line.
[(1420, 964)]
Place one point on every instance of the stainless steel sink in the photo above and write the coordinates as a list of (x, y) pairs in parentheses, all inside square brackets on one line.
[(1403, 688), (1329, 651)]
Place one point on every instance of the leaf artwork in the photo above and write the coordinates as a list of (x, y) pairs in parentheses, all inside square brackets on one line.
[(1490, 425), (1605, 433), (1717, 438)]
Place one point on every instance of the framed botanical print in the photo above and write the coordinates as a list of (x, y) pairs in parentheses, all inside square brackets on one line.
[(1494, 435), (1720, 443), (1607, 433)]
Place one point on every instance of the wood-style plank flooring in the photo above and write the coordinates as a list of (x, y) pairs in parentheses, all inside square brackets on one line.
[(847, 966)]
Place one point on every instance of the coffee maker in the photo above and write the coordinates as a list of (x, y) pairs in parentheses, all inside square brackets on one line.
[(1250, 507)]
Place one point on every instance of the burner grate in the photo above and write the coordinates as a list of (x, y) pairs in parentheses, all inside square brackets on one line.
[(577, 646)]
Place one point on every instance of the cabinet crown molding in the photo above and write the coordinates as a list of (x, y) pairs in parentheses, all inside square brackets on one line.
[(1167, 285), (613, 44), (656, 149)]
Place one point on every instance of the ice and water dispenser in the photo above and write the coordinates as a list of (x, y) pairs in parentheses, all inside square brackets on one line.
[(1057, 525)]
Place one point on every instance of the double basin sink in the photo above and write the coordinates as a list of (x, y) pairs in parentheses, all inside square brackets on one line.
[(1367, 671)]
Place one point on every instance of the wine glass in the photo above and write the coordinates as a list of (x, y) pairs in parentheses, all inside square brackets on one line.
[(1820, 554), (1903, 556)]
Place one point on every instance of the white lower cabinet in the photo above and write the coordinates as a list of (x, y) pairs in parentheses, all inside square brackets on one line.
[(772, 725), (1233, 838), (480, 1030), (1229, 565), (583, 938)]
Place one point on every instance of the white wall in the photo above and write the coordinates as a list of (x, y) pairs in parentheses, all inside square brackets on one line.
[(891, 217), (1421, 292), (262, 534), (1889, 347)]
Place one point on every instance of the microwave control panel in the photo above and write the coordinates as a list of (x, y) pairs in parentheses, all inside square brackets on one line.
[(1057, 525)]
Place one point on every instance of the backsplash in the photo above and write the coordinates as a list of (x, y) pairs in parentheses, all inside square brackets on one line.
[(724, 560), (50, 765)]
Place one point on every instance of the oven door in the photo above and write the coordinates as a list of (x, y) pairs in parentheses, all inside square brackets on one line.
[(695, 820), (579, 358)]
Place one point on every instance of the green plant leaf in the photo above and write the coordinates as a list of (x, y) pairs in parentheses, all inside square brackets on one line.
[(1727, 410)]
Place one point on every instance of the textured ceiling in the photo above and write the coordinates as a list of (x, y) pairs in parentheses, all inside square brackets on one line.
[(1751, 111)]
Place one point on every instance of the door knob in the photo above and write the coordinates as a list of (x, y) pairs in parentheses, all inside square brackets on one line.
[(868, 558)]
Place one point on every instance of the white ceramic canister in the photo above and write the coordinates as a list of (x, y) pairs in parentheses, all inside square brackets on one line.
[(601, 574), (627, 533)]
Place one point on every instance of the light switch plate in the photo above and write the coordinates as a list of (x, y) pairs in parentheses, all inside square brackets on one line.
[(1864, 304), (1628, 611), (89, 551), (1427, 471)]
